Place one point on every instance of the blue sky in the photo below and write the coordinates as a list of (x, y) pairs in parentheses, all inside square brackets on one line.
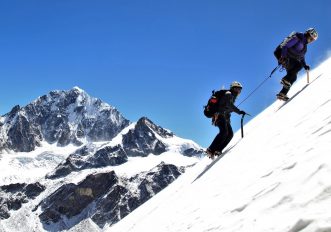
[(153, 58)]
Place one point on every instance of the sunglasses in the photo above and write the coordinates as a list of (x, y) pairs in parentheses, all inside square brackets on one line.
[(237, 89)]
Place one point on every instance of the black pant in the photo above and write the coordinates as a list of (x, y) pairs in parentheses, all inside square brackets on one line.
[(292, 69), (224, 136)]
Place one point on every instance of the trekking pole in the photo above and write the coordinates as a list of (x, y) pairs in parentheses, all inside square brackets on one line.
[(272, 72), (307, 76)]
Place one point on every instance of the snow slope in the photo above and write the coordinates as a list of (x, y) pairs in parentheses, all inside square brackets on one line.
[(275, 179)]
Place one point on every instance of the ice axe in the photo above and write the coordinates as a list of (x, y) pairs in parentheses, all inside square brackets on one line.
[(242, 124), (307, 76)]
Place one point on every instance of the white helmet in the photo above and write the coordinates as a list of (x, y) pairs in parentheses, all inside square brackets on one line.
[(236, 84), (312, 33)]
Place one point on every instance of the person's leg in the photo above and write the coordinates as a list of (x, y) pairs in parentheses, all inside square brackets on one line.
[(220, 137), (293, 68), (293, 73), (228, 137)]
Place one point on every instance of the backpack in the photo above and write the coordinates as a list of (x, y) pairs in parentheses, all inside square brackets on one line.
[(212, 106), (278, 50)]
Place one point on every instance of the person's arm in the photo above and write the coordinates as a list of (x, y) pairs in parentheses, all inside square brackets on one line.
[(304, 65)]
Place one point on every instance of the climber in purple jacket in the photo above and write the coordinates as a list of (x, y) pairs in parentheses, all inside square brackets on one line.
[(291, 55)]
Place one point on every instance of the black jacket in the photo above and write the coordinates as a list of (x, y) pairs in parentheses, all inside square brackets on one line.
[(226, 104)]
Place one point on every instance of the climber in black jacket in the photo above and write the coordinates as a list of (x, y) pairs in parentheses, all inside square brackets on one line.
[(221, 119)]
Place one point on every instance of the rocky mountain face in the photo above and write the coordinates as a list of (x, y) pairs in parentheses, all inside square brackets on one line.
[(142, 140), (61, 117), (105, 197), (90, 157), (13, 196), (73, 117)]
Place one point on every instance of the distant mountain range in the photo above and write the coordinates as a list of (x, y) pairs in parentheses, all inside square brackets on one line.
[(105, 140)]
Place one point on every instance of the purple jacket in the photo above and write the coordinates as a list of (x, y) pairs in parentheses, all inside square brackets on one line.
[(296, 47)]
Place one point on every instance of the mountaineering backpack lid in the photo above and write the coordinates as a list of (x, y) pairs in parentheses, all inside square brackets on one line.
[(288, 38), (278, 49), (212, 106)]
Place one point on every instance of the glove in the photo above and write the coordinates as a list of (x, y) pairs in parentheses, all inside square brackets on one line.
[(306, 67), (242, 112)]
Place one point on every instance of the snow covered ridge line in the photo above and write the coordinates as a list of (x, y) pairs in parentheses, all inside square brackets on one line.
[(143, 139)]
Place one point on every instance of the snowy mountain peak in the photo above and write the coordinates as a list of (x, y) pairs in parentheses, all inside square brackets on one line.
[(78, 89), (144, 121), (61, 117), (75, 97)]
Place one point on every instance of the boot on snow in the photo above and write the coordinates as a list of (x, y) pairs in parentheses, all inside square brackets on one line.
[(282, 97), (210, 154)]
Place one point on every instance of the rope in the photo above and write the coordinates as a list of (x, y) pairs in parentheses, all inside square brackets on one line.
[(272, 72)]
